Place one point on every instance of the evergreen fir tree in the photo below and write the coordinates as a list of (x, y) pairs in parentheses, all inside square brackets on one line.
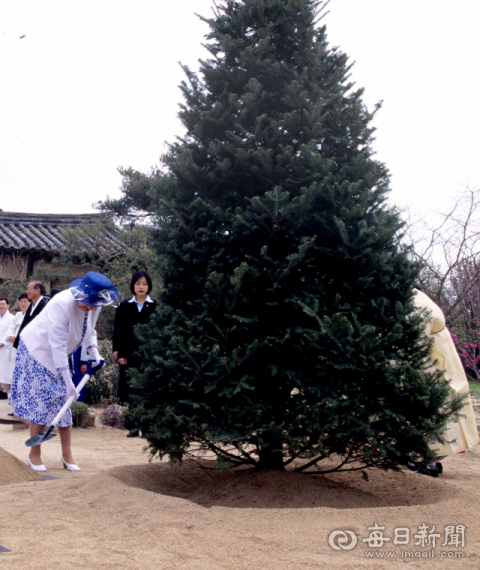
[(286, 329)]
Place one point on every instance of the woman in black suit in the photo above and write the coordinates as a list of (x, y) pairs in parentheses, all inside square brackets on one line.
[(129, 313)]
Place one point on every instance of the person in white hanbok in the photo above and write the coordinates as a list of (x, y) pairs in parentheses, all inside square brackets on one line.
[(41, 379), (6, 327), (23, 303)]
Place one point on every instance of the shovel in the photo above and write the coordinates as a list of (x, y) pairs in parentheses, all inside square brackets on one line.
[(41, 437)]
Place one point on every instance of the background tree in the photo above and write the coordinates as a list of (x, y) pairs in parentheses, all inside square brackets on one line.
[(11, 287), (286, 329), (447, 244)]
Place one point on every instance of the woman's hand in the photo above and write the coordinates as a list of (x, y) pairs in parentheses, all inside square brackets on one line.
[(69, 385), (11, 339), (72, 391), (115, 356)]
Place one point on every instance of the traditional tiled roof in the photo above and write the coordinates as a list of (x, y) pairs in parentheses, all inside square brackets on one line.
[(47, 232)]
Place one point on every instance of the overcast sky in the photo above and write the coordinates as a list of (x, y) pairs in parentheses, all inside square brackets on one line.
[(87, 86)]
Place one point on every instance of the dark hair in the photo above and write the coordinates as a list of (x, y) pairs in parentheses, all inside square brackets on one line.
[(23, 296), (136, 276), (4, 299)]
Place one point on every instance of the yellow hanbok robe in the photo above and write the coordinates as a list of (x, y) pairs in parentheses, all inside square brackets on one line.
[(461, 434)]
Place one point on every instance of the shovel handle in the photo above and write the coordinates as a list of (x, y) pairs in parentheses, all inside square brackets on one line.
[(70, 400)]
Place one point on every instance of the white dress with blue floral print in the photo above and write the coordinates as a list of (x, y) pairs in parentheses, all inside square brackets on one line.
[(36, 394)]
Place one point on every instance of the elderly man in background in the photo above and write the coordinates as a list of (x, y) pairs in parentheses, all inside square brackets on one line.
[(35, 292), (6, 327)]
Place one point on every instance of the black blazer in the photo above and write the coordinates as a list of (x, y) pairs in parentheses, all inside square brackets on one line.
[(126, 317), (28, 318)]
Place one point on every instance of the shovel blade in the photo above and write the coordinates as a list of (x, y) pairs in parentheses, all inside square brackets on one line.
[(40, 437)]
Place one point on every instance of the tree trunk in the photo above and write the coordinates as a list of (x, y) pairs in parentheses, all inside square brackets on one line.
[(270, 458)]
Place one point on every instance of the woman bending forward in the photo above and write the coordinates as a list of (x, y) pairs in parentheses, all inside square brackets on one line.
[(41, 381)]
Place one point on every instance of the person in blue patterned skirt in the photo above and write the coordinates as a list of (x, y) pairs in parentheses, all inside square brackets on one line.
[(41, 381)]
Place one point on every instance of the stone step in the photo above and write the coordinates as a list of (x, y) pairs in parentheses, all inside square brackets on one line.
[(12, 420)]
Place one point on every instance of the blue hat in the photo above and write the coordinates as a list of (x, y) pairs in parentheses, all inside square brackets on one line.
[(94, 289)]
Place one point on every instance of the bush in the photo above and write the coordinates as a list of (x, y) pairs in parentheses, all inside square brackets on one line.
[(80, 414), (104, 385)]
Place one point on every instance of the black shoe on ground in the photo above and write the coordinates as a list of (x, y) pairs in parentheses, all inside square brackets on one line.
[(439, 467), (133, 433), (3, 396), (424, 468), (10, 414)]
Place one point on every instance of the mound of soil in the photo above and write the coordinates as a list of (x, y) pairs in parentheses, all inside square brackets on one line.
[(248, 488), (14, 471)]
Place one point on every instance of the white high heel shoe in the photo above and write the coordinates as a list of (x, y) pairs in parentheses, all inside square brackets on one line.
[(70, 466), (40, 467)]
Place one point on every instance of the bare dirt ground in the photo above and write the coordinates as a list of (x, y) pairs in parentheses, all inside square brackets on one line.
[(123, 512)]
